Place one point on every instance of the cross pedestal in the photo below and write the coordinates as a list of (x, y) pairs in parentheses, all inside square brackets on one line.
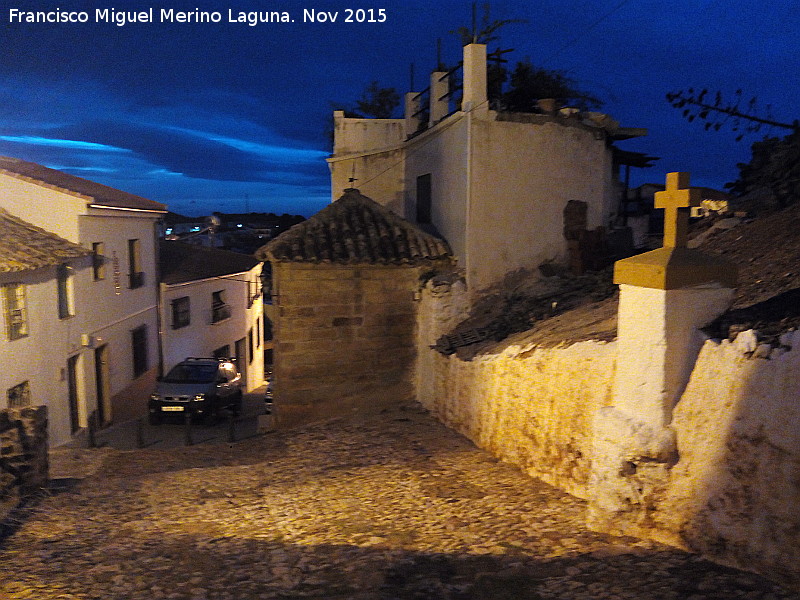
[(666, 296)]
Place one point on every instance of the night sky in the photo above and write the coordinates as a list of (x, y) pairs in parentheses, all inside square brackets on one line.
[(231, 117)]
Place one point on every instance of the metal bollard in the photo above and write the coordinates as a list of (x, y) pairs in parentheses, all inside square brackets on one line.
[(187, 430)]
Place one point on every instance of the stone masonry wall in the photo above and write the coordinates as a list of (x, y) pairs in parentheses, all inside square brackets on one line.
[(529, 406), (734, 493), (23, 454), (344, 338)]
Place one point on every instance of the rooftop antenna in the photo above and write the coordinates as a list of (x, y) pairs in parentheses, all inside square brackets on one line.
[(474, 24)]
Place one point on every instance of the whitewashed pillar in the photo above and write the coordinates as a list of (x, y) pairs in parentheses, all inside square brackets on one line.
[(475, 94), (666, 296)]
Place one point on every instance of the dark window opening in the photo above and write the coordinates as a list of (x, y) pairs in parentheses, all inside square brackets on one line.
[(424, 198)]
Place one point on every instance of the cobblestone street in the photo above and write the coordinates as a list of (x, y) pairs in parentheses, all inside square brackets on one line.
[(391, 507)]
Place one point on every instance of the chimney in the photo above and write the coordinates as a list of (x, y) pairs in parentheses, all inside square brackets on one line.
[(474, 97)]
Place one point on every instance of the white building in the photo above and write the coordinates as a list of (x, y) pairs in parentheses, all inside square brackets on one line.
[(211, 305), (494, 184), (90, 341)]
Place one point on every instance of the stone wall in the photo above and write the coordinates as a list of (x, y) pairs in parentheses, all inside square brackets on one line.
[(23, 454), (732, 493), (529, 406), (344, 338)]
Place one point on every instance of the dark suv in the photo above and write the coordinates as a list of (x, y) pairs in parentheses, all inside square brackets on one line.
[(198, 386)]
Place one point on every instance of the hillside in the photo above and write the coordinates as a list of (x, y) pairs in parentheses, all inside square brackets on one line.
[(766, 250)]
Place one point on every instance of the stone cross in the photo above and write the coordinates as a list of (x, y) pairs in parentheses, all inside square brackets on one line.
[(677, 199)]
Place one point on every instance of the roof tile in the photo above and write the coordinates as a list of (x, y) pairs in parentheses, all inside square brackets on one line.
[(24, 246), (355, 229)]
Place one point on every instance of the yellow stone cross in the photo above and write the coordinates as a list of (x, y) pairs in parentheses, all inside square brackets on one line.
[(677, 199)]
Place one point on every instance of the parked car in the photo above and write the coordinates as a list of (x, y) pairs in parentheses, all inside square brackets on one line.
[(198, 386)]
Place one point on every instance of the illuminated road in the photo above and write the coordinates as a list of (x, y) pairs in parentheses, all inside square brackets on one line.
[(390, 508)]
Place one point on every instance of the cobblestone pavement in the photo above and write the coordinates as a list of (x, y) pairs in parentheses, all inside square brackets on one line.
[(396, 507)]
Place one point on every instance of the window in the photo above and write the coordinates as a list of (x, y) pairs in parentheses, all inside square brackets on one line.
[(98, 261), (424, 200), (66, 307), (219, 309), (258, 332), (180, 312), (250, 343), (135, 273), (19, 395), (139, 350), (15, 309)]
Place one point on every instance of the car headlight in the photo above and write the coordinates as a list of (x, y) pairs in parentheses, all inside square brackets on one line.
[(155, 397), (198, 397)]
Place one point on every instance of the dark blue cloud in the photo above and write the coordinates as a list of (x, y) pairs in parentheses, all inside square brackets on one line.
[(200, 114)]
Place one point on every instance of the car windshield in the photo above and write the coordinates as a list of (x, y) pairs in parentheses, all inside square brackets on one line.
[(192, 374)]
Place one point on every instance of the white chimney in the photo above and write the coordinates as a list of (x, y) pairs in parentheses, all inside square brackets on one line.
[(474, 97)]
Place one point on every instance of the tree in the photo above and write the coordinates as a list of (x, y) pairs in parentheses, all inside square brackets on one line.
[(378, 102), (488, 28), (774, 163), (742, 120), (775, 166), (375, 102), (529, 84)]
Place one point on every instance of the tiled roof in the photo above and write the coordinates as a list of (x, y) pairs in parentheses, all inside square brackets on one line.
[(24, 246), (100, 194), (355, 229), (181, 262)]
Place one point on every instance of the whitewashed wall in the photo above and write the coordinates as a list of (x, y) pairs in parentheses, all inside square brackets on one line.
[(734, 494)]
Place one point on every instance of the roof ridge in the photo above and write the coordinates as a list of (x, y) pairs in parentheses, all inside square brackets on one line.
[(355, 229)]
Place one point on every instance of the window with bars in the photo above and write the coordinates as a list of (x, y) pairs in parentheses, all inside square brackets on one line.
[(98, 261), (15, 310), (180, 312), (19, 396), (220, 310)]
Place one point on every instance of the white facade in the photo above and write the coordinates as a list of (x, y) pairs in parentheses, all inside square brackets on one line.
[(216, 316), (497, 183), (103, 355)]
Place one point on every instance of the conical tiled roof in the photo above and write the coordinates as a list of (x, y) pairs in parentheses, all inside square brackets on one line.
[(355, 229), (24, 246)]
